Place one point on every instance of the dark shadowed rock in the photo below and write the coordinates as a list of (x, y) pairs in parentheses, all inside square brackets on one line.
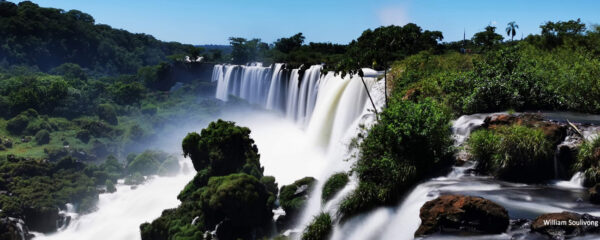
[(595, 194), (452, 213), (14, 229), (565, 225)]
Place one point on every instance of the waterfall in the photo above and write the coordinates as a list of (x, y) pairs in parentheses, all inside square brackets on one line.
[(326, 105)]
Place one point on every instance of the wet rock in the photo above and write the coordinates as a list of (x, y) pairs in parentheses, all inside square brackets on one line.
[(14, 229), (554, 131), (462, 157), (457, 213), (595, 194), (565, 225)]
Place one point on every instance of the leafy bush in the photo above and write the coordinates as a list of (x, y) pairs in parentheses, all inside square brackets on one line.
[(410, 141), (333, 185), (588, 161), (42, 137), (319, 229), (514, 153)]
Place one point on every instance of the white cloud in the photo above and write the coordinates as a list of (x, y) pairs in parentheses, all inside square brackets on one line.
[(494, 23), (393, 15)]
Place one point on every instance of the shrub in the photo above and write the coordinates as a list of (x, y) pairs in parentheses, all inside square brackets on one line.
[(588, 161), (107, 113), (514, 153), (410, 142), (319, 229), (223, 147), (42, 137), (17, 124), (333, 185), (110, 186)]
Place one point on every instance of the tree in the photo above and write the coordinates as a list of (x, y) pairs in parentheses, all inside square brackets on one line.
[(286, 45), (244, 51), (511, 30), (487, 39), (194, 53), (380, 47), (561, 28)]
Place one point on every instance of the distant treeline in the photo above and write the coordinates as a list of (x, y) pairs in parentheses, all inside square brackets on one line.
[(49, 37)]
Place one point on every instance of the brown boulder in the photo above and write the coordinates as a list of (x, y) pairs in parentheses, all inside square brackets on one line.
[(452, 213), (565, 225)]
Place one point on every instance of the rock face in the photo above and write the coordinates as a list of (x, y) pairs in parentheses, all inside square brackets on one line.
[(42, 219), (565, 225), (14, 229), (457, 213)]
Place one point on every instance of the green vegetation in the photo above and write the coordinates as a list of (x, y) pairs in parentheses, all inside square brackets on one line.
[(293, 197), (588, 161), (152, 162), (236, 196), (333, 185), (410, 141), (319, 229), (515, 153), (223, 148), (47, 37)]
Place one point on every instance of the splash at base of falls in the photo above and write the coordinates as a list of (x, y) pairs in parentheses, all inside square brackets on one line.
[(120, 214)]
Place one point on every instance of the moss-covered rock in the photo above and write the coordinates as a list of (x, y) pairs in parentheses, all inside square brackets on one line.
[(293, 197), (228, 193), (319, 229), (224, 148), (333, 185)]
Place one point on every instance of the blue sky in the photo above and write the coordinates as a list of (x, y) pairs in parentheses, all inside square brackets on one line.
[(213, 22)]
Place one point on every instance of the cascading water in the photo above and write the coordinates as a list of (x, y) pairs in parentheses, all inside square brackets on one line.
[(520, 200), (301, 97), (120, 214)]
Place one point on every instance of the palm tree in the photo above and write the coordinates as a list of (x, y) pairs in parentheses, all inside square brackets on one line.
[(511, 30)]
